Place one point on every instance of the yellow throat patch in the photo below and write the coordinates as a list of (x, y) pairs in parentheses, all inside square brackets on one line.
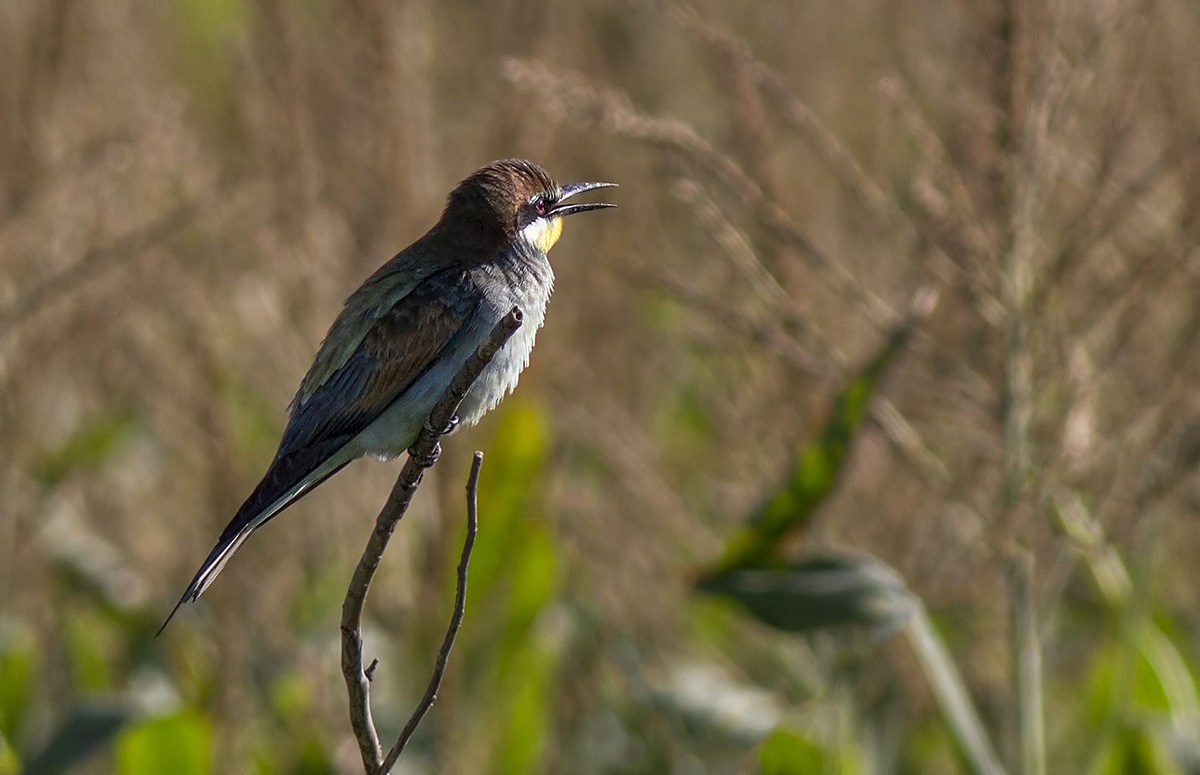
[(543, 233)]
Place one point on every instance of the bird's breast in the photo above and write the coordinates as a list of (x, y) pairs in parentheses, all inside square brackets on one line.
[(524, 280), (520, 279)]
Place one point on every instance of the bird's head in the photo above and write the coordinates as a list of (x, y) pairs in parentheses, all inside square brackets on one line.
[(515, 199)]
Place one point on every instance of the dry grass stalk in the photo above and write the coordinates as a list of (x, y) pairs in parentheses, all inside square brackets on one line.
[(584, 103)]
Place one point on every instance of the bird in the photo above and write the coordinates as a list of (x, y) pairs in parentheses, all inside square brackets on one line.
[(403, 335)]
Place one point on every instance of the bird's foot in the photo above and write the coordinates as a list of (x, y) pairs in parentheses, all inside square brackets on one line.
[(450, 427), (426, 461)]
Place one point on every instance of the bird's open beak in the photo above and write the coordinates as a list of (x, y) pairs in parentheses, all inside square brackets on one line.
[(570, 190)]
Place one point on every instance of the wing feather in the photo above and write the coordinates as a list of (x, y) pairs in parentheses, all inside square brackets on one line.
[(396, 350)]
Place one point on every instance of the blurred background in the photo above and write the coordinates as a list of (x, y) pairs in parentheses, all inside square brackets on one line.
[(922, 275)]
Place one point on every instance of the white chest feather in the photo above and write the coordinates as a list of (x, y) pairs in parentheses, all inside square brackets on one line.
[(531, 295), (522, 280)]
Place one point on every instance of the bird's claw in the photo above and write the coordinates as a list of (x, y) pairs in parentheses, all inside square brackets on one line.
[(427, 461), (450, 427)]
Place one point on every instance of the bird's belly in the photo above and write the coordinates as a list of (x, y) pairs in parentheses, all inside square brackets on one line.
[(397, 428), (499, 378)]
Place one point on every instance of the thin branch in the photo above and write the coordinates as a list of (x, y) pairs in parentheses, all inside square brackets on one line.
[(456, 618), (421, 455)]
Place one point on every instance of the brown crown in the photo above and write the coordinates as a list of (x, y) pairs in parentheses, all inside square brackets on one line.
[(493, 193)]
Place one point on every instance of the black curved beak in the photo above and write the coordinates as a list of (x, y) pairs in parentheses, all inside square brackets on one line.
[(570, 190)]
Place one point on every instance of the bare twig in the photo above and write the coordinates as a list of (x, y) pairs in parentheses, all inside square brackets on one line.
[(421, 455), (460, 602)]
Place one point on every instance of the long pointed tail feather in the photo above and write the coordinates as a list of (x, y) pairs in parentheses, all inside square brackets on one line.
[(289, 479), (208, 571)]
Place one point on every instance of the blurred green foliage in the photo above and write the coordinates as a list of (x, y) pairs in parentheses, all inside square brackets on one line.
[(785, 752), (18, 666), (88, 448), (180, 743), (815, 470), (514, 577), (818, 592), (253, 422), (86, 729)]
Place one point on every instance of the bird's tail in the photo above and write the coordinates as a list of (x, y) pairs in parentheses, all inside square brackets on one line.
[(280, 488)]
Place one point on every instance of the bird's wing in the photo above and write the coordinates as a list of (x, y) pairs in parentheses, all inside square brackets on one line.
[(388, 286), (396, 350)]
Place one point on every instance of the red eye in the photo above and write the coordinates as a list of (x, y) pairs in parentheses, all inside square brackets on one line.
[(539, 205)]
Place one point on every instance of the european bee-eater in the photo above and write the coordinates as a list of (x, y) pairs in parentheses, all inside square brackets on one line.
[(404, 334)]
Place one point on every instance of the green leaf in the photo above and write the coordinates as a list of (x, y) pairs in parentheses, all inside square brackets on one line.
[(816, 468), (84, 731), (509, 496), (1174, 686), (526, 718), (312, 758), (1099, 694), (18, 660), (86, 651), (9, 763), (89, 448), (820, 591), (180, 744), (785, 752), (1135, 751)]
